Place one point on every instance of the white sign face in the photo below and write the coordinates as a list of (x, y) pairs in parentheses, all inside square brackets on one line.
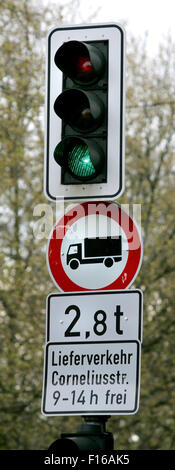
[(113, 187), (94, 316), (91, 378)]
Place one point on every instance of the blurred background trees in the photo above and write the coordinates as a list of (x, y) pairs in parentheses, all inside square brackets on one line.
[(25, 281)]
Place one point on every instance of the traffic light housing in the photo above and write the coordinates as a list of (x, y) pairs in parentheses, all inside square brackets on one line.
[(84, 149), (90, 436)]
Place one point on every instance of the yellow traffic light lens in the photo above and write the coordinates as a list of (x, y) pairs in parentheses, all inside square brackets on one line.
[(79, 162), (82, 110)]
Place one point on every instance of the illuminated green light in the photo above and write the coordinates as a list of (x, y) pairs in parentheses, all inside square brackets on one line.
[(79, 161)]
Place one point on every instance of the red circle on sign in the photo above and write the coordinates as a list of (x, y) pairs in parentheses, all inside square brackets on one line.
[(108, 209)]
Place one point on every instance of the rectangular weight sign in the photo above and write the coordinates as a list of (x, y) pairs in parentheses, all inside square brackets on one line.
[(94, 316), (91, 378)]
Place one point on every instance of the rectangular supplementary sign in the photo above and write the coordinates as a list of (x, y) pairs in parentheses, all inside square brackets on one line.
[(91, 378), (94, 316)]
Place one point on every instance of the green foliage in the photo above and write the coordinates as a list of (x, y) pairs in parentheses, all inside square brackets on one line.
[(25, 282)]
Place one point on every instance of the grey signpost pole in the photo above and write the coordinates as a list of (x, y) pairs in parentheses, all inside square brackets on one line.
[(92, 435)]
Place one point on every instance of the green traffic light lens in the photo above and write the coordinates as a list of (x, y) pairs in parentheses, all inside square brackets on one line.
[(82, 160), (80, 163)]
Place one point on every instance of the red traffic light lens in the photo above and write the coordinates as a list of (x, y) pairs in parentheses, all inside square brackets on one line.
[(84, 68), (81, 62), (83, 111), (84, 65)]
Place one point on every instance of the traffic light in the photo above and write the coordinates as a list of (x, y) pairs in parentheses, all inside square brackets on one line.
[(85, 113), (90, 436)]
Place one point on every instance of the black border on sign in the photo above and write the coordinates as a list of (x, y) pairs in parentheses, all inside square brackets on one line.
[(53, 198), (83, 412), (70, 294)]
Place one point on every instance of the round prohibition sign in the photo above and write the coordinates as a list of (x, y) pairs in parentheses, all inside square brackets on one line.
[(94, 246)]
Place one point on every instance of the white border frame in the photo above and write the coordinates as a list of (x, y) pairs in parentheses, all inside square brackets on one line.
[(114, 186)]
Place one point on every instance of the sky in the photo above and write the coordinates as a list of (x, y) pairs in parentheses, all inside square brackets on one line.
[(154, 17)]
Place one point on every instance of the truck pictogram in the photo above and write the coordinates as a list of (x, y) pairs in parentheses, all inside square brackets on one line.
[(105, 250)]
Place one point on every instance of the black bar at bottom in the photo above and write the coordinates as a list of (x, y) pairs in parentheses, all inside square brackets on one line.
[(44, 458)]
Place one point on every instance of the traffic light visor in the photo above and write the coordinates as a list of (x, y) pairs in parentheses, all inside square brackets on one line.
[(81, 62)]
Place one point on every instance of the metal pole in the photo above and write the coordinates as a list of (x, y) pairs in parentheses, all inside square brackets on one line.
[(97, 423)]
